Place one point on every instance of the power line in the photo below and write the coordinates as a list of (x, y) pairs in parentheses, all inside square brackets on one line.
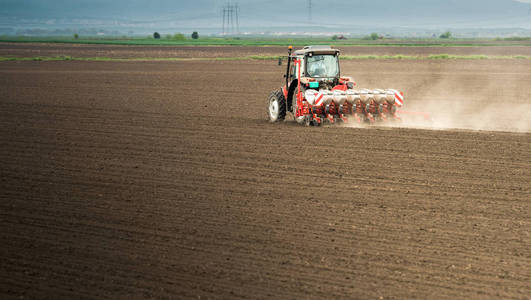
[(237, 8), (231, 23), (232, 18), (223, 26), (310, 11)]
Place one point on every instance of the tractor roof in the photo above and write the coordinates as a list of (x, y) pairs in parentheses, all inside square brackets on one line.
[(319, 49)]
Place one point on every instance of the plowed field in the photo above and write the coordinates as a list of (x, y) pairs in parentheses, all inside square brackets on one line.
[(164, 180)]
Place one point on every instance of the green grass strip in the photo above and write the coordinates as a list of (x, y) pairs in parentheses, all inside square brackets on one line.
[(270, 41), (262, 57)]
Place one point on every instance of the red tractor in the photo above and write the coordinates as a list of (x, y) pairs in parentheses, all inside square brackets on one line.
[(315, 92)]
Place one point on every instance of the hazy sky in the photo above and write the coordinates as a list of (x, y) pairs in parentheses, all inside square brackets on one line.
[(207, 13)]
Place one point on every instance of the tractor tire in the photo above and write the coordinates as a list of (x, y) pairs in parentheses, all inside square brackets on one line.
[(299, 120), (276, 107)]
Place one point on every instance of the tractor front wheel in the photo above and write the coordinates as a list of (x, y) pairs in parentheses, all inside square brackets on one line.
[(276, 106)]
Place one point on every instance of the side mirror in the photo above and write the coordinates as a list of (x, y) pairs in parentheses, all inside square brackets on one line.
[(280, 61)]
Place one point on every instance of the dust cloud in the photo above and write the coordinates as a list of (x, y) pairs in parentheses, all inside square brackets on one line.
[(470, 95), (482, 95), (464, 115)]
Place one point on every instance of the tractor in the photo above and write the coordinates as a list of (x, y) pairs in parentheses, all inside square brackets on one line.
[(315, 93)]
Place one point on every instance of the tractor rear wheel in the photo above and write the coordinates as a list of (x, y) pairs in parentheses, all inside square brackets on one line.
[(276, 106)]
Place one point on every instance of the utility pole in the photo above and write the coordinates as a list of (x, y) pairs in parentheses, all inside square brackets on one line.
[(236, 9), (310, 11), (223, 26), (231, 22), (231, 9)]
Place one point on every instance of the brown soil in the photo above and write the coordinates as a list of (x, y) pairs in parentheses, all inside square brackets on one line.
[(165, 180), (117, 51)]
